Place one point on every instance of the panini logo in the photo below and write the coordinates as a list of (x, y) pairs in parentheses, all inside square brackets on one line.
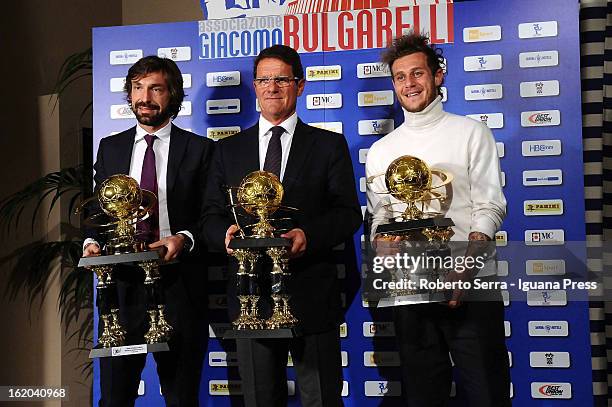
[(121, 112), (371, 329), (324, 101), (125, 57), (538, 59), (492, 120), (545, 267), (544, 237), (375, 126), (542, 177), (222, 106), (541, 118), (543, 207), (324, 73), (343, 330), (540, 390), (336, 127), (548, 328), (501, 238), (375, 98), (117, 84), (479, 34), (175, 53), (218, 133), (382, 359), (224, 387), (373, 70), (549, 359), (482, 63), (546, 298), (484, 92), (216, 79), (541, 147), (539, 89), (382, 388), (538, 30)]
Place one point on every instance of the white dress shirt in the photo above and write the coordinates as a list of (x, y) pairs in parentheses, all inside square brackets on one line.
[(265, 135)]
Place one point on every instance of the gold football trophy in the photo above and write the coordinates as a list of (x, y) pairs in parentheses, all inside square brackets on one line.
[(260, 195), (124, 204), (409, 180)]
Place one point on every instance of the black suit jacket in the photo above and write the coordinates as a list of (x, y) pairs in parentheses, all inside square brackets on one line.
[(319, 181)]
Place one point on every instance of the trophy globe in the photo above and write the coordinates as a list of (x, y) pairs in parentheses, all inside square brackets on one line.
[(260, 194)]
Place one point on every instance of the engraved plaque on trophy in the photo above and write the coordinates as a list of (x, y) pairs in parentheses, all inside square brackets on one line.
[(123, 205), (260, 195)]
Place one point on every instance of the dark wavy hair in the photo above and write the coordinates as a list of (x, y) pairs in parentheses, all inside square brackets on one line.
[(412, 43), (286, 54), (172, 73)]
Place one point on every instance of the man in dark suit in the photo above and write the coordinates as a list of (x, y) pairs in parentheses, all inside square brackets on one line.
[(317, 175), (173, 163)]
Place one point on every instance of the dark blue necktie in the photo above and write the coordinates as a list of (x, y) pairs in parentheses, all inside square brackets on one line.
[(274, 154)]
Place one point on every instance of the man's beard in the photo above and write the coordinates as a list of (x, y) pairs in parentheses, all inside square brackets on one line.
[(155, 119)]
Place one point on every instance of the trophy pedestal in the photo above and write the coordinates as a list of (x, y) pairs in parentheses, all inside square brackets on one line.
[(397, 228), (101, 352), (125, 258), (255, 243), (262, 333)]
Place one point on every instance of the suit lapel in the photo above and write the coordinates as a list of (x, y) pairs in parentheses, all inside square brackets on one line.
[(124, 152), (300, 148), (250, 145), (178, 146)]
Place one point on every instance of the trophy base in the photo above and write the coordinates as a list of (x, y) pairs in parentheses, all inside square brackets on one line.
[(259, 243), (101, 352), (262, 333), (397, 228), (124, 258)]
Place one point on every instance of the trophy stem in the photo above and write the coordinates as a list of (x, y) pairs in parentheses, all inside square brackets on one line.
[(256, 322), (278, 319), (290, 320), (107, 339), (116, 330), (162, 324), (244, 320), (153, 335)]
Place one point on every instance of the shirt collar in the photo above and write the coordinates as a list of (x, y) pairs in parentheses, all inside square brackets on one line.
[(289, 125), (162, 134)]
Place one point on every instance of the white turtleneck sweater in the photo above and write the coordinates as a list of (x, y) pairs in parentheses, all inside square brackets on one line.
[(460, 145)]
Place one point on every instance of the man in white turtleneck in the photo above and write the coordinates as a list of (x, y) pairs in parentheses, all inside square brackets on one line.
[(471, 331)]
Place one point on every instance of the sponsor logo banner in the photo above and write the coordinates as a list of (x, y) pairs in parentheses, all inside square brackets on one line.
[(507, 329), (480, 34), (324, 101), (444, 91), (222, 359), (186, 80), (382, 388), (373, 70), (229, 78), (175, 53), (336, 127), (185, 109), (482, 63), (117, 84), (335, 30), (375, 98), (542, 177), (323, 73), (541, 118), (492, 120), (371, 329), (501, 150), (222, 106), (546, 298), (545, 267), (544, 237), (549, 359), (502, 268), (125, 57), (343, 330), (543, 207), (503, 178), (501, 238), (345, 389), (538, 59), (218, 133), (121, 112), (363, 155), (542, 390), (375, 126), (382, 359), (505, 297), (541, 147), (548, 328), (538, 29), (224, 387), (484, 91), (539, 89)]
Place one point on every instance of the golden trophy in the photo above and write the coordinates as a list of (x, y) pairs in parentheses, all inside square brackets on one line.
[(410, 181), (123, 205), (260, 195)]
